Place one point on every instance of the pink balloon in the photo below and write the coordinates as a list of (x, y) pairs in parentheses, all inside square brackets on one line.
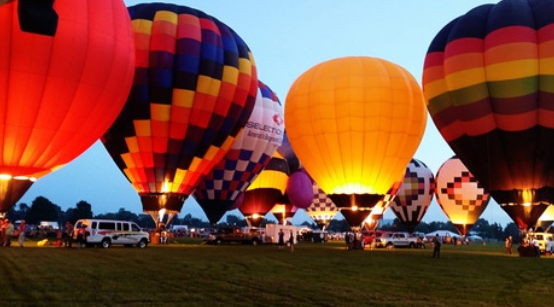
[(299, 189)]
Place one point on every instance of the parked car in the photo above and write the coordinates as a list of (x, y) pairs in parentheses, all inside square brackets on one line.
[(375, 238), (241, 235)]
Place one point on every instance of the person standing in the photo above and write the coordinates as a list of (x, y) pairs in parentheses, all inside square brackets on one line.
[(21, 237), (68, 234), (281, 239), (82, 236), (3, 225), (535, 244), (291, 241), (508, 244), (437, 242), (549, 247), (347, 240), (9, 233)]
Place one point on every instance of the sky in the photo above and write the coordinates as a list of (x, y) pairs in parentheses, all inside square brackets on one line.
[(287, 38)]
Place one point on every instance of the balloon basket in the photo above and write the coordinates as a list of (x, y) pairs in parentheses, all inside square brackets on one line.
[(154, 238)]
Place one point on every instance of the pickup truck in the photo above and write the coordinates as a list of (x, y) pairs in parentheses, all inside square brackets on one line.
[(404, 239), (240, 235)]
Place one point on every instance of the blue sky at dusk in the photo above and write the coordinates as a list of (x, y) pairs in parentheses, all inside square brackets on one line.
[(287, 38)]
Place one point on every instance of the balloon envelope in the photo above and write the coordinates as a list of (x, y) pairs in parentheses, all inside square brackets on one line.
[(299, 189), (249, 155), (461, 197), (355, 123), (377, 212), (266, 191), (414, 195), (60, 92), (488, 79), (194, 89), (322, 209)]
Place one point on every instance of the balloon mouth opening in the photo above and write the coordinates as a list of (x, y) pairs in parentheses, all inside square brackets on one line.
[(22, 178)]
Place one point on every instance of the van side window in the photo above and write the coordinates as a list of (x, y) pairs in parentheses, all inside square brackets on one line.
[(125, 227), (134, 227), (93, 226), (106, 225)]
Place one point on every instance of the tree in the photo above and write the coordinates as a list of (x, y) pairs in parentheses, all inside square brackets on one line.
[(42, 209), (122, 214), (81, 211), (235, 220)]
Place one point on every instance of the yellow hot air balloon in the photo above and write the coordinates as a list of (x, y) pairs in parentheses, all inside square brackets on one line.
[(355, 123)]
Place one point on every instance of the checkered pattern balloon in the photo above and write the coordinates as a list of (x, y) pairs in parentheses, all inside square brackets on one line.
[(248, 156), (194, 89), (322, 210), (415, 194), (462, 198)]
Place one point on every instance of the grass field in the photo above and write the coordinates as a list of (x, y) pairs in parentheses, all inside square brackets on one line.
[(192, 274)]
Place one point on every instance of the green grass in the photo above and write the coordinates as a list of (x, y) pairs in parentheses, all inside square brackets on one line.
[(188, 273)]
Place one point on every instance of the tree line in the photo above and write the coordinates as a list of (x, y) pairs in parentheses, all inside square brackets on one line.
[(42, 209)]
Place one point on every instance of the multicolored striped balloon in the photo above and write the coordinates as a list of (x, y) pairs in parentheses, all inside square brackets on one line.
[(489, 80), (194, 89), (461, 197), (414, 196), (248, 156)]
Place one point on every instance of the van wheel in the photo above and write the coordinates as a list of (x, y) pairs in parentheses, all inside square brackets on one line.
[(106, 243), (142, 244)]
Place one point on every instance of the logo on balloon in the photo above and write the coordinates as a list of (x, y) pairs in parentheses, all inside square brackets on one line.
[(278, 119)]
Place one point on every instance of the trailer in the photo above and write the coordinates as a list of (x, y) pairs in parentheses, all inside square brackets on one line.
[(271, 235)]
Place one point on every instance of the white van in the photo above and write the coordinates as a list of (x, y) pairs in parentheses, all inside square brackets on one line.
[(542, 238), (107, 232)]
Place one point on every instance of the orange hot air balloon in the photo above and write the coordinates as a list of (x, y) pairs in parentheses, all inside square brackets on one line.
[(355, 123), (64, 77)]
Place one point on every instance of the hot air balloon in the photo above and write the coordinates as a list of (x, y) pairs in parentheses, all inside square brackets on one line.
[(283, 211), (286, 151), (377, 212), (546, 219), (248, 156), (461, 197), (298, 195), (265, 191), (62, 85), (487, 77), (415, 194), (299, 189), (194, 89), (355, 123), (322, 209)]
